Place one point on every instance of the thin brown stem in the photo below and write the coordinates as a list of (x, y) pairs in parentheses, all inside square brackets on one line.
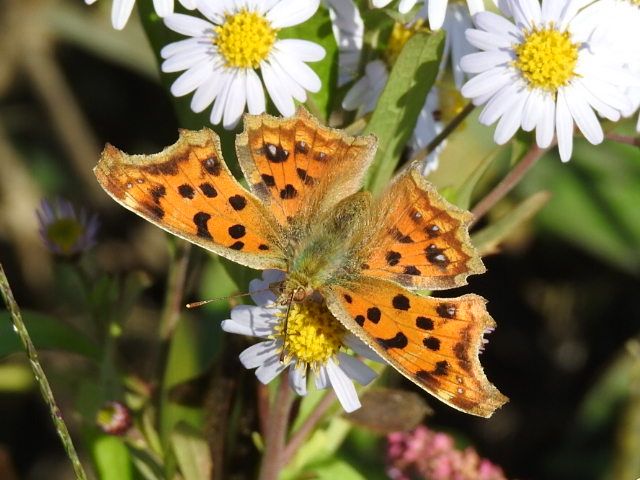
[(626, 139), (315, 417), (508, 183), (441, 137), (277, 423), (175, 289)]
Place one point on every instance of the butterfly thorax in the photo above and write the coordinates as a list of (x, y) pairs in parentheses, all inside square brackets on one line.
[(325, 255)]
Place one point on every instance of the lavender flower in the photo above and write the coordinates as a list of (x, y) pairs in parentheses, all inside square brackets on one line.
[(64, 231)]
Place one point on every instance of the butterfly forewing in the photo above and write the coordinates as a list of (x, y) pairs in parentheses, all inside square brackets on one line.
[(422, 241), (434, 342), (188, 190), (299, 167)]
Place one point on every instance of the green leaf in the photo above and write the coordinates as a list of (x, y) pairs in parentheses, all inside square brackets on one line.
[(47, 333), (489, 238), (112, 459), (192, 452), (318, 30), (332, 469), (403, 97)]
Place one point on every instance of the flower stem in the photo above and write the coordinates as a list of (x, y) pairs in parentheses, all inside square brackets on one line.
[(43, 383), (277, 423), (509, 182), (629, 140), (298, 438), (441, 137)]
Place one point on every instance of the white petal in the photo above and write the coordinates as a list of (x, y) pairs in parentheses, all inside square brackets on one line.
[(532, 110), (487, 41), (481, 61), (255, 94), (321, 380), (380, 3), (303, 50), (270, 370), (260, 320), (299, 72), (282, 99), (236, 100), (500, 103), (163, 7), (184, 46), (120, 13), (206, 93), (437, 9), (259, 354), (487, 82), (188, 4), (583, 115), (526, 13), (491, 22), (343, 386), (214, 11), (298, 380), (405, 6), (192, 79), (185, 60), (188, 25), (355, 369), (564, 127), (221, 100), (287, 13), (547, 121), (475, 6), (510, 121)]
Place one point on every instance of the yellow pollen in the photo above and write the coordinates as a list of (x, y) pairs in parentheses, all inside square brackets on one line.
[(635, 2), (245, 39), (313, 335), (547, 58), (400, 35)]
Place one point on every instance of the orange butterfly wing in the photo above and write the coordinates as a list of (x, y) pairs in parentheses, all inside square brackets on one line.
[(422, 241), (434, 342), (298, 167), (188, 190)]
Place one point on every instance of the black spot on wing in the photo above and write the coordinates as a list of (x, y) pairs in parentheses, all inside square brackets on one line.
[(186, 191), (446, 310), (401, 302), (200, 220), (237, 202), (400, 341), (212, 165), (275, 153), (208, 190), (424, 323), (237, 231)]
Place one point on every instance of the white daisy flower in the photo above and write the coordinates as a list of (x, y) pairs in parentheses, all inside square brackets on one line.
[(456, 22), (436, 9), (348, 30), (315, 343), (618, 25), (428, 126), (121, 9), (223, 56), (543, 71)]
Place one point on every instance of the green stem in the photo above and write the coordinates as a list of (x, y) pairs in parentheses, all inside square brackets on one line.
[(626, 139), (277, 423), (45, 389)]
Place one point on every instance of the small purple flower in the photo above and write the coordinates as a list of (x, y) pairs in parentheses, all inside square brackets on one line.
[(64, 231), (423, 453)]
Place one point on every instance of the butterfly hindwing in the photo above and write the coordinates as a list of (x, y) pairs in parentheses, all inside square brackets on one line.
[(188, 190), (435, 342), (299, 167), (422, 241)]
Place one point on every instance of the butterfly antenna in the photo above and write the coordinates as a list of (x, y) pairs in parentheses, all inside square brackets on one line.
[(204, 302), (285, 326)]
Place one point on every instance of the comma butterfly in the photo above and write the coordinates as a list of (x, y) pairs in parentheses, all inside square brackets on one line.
[(304, 214)]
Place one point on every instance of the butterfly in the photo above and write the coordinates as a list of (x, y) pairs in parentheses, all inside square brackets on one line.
[(304, 213)]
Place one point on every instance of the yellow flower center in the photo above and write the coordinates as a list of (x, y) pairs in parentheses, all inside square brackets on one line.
[(313, 334), (400, 35), (635, 2), (547, 58), (245, 39), (65, 233)]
